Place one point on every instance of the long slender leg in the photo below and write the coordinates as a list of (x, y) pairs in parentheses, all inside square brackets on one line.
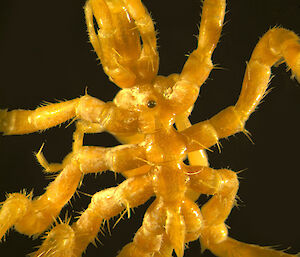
[(90, 110), (166, 248), (223, 185), (117, 42), (234, 248), (33, 217), (277, 43), (148, 63), (82, 127), (153, 237), (22, 121), (65, 240), (87, 108), (193, 220), (199, 65), (148, 238), (104, 42)]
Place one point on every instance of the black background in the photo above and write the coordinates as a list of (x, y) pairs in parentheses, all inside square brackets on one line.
[(45, 55)]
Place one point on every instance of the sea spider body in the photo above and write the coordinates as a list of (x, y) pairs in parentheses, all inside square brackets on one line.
[(142, 116)]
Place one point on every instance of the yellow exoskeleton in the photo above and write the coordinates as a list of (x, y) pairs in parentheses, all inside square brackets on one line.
[(142, 116)]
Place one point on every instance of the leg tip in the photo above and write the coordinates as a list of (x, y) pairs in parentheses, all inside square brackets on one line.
[(60, 241)]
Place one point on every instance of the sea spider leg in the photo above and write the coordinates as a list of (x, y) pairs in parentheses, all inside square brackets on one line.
[(166, 248), (148, 238), (19, 122), (104, 42), (34, 217), (277, 43), (234, 248), (86, 108), (65, 240), (152, 238), (197, 158), (82, 127), (274, 45), (149, 59), (223, 185), (193, 220), (117, 42), (198, 66)]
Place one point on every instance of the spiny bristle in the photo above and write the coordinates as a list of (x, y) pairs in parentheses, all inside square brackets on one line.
[(121, 217), (60, 241)]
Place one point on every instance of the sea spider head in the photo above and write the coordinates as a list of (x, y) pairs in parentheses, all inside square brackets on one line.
[(155, 105)]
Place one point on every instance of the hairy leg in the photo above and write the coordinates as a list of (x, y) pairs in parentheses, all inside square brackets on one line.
[(86, 108), (34, 217), (117, 42), (166, 248), (18, 122), (234, 248), (199, 65), (104, 205), (104, 41), (154, 237), (275, 45), (148, 63), (223, 185), (148, 238)]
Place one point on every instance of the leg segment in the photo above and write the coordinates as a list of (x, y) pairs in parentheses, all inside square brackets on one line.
[(193, 220), (234, 248), (208, 133), (148, 62), (87, 108), (166, 248), (197, 158), (277, 43), (95, 115), (154, 237), (104, 205), (18, 122), (117, 42), (199, 65), (33, 217), (223, 185), (148, 238), (104, 41)]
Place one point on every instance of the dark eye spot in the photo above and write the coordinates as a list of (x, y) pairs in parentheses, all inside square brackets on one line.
[(151, 104)]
